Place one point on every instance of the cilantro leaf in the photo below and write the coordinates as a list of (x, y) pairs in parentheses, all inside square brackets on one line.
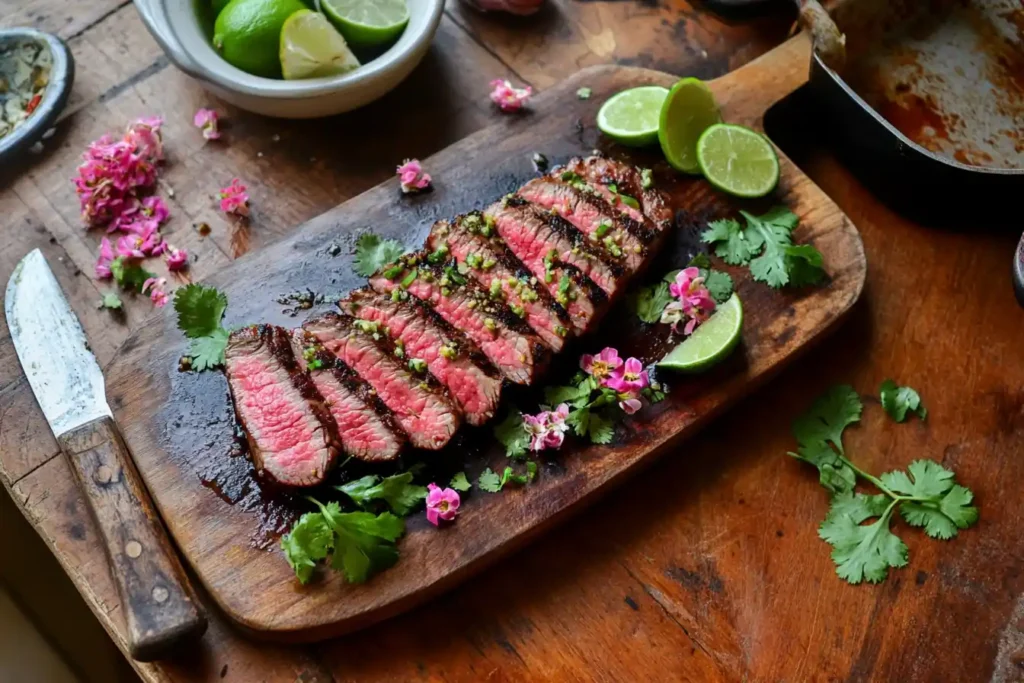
[(513, 435), (734, 245), (940, 505), (489, 481), (111, 300), (579, 420), (129, 273), (398, 491), (819, 433), (208, 352), (699, 260), (858, 506), (803, 263), (600, 429), (200, 309), (373, 253), (308, 542), (583, 93), (719, 285), (460, 483), (364, 543), (862, 551), (650, 301), (898, 401), (930, 480), (576, 396), (509, 475)]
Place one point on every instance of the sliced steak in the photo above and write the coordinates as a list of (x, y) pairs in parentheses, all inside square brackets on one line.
[(620, 235), (615, 179), (472, 242), (540, 239), (293, 439), (424, 338), (505, 339), (419, 404), (366, 426)]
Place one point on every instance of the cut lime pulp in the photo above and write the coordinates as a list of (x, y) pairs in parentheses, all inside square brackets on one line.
[(709, 343), (368, 23), (311, 47), (738, 160), (631, 117), (688, 111)]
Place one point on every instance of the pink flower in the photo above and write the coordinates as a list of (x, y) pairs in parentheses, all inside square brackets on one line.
[(140, 243), (144, 135), (177, 259), (442, 504), (234, 199), (206, 119), (507, 98), (106, 257), (547, 429), (155, 287), (630, 405), (153, 207), (601, 366), (629, 378), (694, 301), (412, 177)]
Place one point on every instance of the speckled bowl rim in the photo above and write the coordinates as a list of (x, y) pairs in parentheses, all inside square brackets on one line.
[(62, 76)]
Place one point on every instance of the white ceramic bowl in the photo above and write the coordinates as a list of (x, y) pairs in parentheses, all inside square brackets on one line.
[(176, 27)]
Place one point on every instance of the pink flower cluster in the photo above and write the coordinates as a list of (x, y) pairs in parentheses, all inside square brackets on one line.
[(693, 302), (627, 378), (547, 429), (412, 177), (207, 121), (234, 199), (155, 288), (508, 98), (442, 504)]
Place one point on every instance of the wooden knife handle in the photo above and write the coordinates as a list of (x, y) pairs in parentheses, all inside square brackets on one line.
[(159, 605)]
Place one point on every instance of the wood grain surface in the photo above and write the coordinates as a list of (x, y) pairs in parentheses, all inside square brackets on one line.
[(706, 567)]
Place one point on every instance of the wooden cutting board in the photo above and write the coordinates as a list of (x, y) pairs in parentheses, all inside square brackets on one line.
[(180, 426)]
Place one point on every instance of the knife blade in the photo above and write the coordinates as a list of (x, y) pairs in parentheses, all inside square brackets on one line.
[(160, 607)]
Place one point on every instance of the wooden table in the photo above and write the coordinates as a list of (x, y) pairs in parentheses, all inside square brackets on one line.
[(706, 567)]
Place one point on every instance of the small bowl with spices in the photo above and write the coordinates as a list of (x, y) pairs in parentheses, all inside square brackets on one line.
[(36, 72)]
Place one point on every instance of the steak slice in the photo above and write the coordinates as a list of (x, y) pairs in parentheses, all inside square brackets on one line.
[(470, 378), (292, 436), (366, 426), (593, 216), (541, 239), (505, 339), (469, 238), (613, 179), (420, 405)]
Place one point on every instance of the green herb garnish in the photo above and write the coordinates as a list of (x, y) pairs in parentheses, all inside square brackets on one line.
[(373, 253), (898, 401), (200, 310)]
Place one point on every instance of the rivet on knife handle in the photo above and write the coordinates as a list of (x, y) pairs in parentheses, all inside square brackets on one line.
[(160, 610)]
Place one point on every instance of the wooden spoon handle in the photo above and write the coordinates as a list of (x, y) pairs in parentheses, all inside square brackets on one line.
[(159, 606)]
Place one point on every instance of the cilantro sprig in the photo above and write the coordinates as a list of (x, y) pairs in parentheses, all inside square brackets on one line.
[(373, 253), (398, 492), (491, 482), (200, 310), (649, 302), (359, 544), (926, 494), (765, 245), (898, 401)]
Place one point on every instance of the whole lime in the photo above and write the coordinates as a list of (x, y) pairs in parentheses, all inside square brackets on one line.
[(217, 6), (247, 34)]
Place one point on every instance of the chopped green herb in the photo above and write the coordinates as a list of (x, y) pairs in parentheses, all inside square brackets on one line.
[(129, 274), (489, 481), (473, 260), (448, 351), (110, 300), (646, 178), (649, 302), (373, 253), (488, 264), (393, 272), (460, 483), (409, 278), (603, 229), (898, 401), (200, 310), (511, 433), (439, 255), (368, 326), (490, 324), (418, 365), (584, 93), (495, 289)]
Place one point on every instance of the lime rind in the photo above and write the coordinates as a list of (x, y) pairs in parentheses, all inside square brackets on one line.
[(738, 160), (709, 343), (632, 116), (687, 112)]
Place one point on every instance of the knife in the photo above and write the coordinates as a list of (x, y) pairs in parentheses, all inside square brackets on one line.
[(160, 607)]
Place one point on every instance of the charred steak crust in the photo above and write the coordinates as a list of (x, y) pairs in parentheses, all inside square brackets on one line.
[(420, 404), (372, 412), (247, 344), (474, 244), (601, 172), (509, 343), (473, 383)]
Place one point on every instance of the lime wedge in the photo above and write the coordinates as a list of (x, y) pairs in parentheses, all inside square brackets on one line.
[(738, 160), (688, 111), (709, 343), (368, 23), (311, 47), (631, 116)]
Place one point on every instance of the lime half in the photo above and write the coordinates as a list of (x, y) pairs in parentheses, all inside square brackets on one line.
[(368, 23), (709, 343), (311, 47), (738, 160), (688, 111), (631, 117)]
